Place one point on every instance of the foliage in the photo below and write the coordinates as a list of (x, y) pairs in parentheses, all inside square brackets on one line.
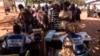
[(79, 2)]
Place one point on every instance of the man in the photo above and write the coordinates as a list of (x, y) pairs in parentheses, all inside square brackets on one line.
[(16, 42), (7, 10)]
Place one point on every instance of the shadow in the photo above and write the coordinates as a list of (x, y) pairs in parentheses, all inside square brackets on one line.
[(91, 27)]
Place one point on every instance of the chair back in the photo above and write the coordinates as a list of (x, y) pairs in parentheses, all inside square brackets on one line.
[(86, 53)]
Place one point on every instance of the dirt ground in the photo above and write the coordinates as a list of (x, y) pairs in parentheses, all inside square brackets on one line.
[(90, 25)]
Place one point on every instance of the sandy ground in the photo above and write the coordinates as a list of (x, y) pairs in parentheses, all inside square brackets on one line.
[(6, 22), (90, 25)]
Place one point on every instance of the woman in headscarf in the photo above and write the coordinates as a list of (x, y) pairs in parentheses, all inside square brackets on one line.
[(39, 14)]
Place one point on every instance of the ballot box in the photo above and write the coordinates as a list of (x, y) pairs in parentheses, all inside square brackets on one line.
[(53, 39)]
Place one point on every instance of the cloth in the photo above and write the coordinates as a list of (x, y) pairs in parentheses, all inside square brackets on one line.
[(76, 39), (85, 36), (65, 14), (27, 40)]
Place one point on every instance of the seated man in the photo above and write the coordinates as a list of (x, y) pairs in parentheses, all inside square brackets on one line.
[(16, 42), (77, 38)]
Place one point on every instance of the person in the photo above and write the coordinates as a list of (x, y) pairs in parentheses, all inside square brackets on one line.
[(80, 40), (65, 14), (78, 12), (40, 17), (54, 20), (20, 7), (74, 12), (33, 9), (27, 19), (99, 14), (46, 9), (7, 9), (88, 11), (16, 43)]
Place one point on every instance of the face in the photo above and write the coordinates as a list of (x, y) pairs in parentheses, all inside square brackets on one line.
[(64, 7)]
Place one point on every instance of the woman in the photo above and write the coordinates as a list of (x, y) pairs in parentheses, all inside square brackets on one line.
[(80, 40), (65, 14), (39, 14), (54, 20)]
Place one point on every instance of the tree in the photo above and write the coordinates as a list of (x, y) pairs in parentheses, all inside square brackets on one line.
[(79, 2)]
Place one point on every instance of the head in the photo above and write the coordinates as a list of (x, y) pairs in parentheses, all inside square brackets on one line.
[(28, 6), (56, 6), (73, 6), (39, 7), (16, 29), (72, 28), (66, 5), (20, 6), (33, 6), (50, 2)]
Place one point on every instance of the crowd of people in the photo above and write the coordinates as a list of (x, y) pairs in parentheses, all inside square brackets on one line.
[(93, 11), (48, 17)]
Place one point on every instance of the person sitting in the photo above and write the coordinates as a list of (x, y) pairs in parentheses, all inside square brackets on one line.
[(16, 43), (80, 40)]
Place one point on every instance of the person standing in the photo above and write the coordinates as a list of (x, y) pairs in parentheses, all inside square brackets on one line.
[(73, 9), (65, 14), (54, 14), (78, 12), (88, 11), (7, 9)]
